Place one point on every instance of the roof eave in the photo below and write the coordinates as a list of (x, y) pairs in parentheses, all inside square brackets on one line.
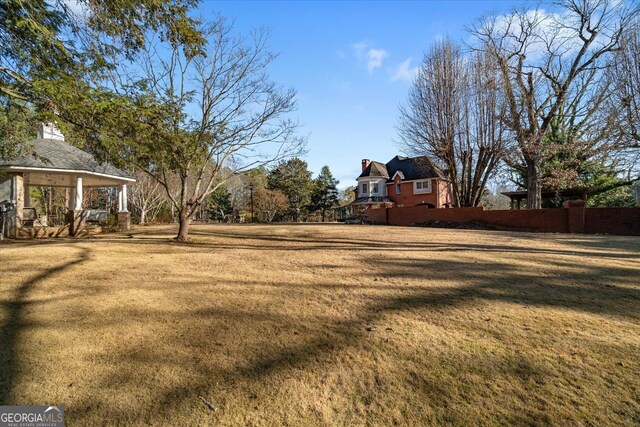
[(64, 171)]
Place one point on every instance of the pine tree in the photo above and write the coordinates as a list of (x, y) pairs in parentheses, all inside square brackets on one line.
[(325, 192), (293, 179)]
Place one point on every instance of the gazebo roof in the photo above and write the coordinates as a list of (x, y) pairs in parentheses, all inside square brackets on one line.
[(47, 160)]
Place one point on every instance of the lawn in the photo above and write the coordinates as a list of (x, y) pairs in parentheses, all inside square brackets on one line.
[(324, 325)]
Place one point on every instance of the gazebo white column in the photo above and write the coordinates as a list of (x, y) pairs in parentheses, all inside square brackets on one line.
[(124, 217), (78, 194), (77, 215), (122, 198)]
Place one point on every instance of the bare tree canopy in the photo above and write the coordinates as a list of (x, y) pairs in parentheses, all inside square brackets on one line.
[(452, 116), (270, 203), (196, 119), (545, 58), (147, 197), (626, 75)]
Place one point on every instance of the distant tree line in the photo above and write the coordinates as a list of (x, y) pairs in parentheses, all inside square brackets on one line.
[(287, 192)]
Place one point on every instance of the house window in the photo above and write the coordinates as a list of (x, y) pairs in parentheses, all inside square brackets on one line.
[(365, 188), (376, 188), (398, 188), (421, 187)]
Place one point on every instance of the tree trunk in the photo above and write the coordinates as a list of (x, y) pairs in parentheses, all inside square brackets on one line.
[(183, 230), (143, 215), (534, 189)]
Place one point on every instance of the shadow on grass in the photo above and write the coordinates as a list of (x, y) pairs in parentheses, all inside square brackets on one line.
[(202, 335), (253, 238), (326, 339), (15, 323)]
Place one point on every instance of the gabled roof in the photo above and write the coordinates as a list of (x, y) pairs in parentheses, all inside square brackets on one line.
[(56, 154), (375, 169), (412, 168)]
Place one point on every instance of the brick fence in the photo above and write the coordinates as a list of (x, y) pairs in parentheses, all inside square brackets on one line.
[(573, 218)]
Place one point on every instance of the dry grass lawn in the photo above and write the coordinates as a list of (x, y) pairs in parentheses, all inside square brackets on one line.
[(324, 325)]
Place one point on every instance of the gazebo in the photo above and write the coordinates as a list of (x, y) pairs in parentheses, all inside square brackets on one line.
[(50, 162), (516, 197)]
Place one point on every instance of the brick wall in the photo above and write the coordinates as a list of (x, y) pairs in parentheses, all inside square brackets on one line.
[(378, 215), (623, 221), (418, 214), (574, 219)]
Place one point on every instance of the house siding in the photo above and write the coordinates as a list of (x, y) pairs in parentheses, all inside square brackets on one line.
[(408, 198)]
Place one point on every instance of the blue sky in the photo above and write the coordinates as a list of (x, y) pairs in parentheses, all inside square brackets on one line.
[(351, 63)]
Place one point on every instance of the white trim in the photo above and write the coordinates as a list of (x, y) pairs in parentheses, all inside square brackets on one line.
[(414, 180), (397, 173), (372, 186), (65, 171), (362, 192), (371, 178), (422, 190)]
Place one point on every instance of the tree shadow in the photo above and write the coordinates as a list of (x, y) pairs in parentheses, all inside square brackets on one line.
[(255, 239), (15, 322), (602, 290), (328, 338)]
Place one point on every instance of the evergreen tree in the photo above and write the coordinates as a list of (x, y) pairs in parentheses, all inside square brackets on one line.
[(293, 178), (325, 193), (46, 45), (17, 125)]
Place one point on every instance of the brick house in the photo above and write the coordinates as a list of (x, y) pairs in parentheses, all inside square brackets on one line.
[(401, 182)]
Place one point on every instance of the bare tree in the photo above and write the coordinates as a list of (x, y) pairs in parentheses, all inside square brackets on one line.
[(626, 74), (199, 119), (147, 197), (541, 56), (270, 203), (452, 116)]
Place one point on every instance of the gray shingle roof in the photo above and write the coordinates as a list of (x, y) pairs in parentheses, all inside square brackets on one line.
[(414, 167), (375, 169), (57, 154)]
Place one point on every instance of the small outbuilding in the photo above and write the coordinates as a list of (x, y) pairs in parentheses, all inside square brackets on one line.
[(49, 161)]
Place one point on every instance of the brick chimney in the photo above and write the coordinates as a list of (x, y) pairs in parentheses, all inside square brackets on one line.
[(365, 163)]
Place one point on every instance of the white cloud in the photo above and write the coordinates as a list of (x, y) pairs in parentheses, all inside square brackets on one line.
[(360, 49), (375, 58), (404, 71), (364, 51)]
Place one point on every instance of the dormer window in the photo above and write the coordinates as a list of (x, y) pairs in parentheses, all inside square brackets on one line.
[(376, 188), (365, 188), (398, 188), (422, 187)]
